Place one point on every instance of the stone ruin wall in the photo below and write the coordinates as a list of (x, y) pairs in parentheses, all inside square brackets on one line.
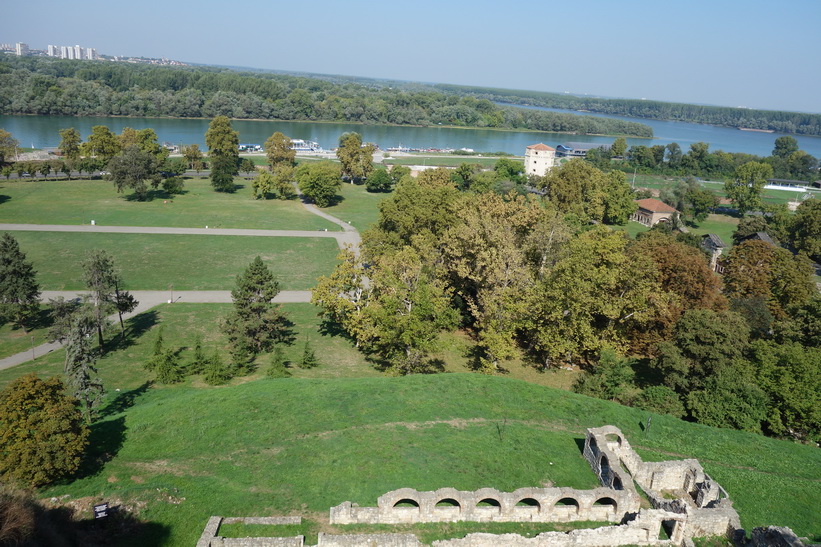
[(706, 505), (522, 505), (643, 530)]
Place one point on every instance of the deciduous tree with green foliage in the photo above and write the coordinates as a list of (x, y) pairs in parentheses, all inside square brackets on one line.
[(804, 229), (42, 435), (223, 153), (70, 141), (8, 147), (790, 374), (19, 290), (379, 181), (595, 295), (132, 169), (756, 269), (101, 144), (356, 157), (193, 155), (278, 150), (319, 181), (745, 189)]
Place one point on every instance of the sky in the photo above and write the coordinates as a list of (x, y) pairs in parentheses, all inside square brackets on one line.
[(748, 53)]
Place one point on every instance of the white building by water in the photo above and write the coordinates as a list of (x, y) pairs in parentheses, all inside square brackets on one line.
[(539, 159)]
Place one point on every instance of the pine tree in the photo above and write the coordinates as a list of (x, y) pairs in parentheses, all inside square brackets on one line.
[(309, 359), (199, 361), (276, 368), (19, 290), (256, 323), (81, 357), (216, 373), (167, 367)]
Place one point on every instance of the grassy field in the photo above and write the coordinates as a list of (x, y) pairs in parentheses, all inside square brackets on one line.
[(344, 431), (358, 206), (78, 202), (303, 445), (658, 182), (189, 262), (14, 340), (723, 225)]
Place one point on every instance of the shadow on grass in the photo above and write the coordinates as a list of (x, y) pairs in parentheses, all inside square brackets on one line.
[(580, 443), (120, 528), (334, 330), (134, 329), (125, 400), (106, 440), (41, 320), (155, 193), (4, 198)]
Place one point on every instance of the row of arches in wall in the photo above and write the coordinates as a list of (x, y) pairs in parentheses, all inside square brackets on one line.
[(491, 504)]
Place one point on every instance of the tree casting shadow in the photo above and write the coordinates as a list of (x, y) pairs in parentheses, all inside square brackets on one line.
[(125, 400), (106, 440), (134, 329)]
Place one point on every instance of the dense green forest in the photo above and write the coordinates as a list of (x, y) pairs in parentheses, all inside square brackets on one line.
[(783, 122), (31, 85)]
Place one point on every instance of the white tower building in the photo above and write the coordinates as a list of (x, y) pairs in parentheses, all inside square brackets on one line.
[(539, 159)]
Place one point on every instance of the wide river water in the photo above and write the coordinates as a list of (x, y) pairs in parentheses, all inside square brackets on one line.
[(43, 132)]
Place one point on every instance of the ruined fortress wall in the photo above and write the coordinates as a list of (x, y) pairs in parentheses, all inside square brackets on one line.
[(406, 505), (642, 531)]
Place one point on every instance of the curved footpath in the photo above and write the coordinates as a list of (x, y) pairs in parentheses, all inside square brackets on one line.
[(148, 299)]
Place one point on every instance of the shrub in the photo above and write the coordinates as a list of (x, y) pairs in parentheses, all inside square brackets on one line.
[(42, 434)]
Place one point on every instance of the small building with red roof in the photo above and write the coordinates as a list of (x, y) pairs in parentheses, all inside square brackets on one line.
[(539, 159), (651, 211)]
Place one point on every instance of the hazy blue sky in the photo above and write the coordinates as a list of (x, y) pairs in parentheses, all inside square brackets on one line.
[(759, 54)]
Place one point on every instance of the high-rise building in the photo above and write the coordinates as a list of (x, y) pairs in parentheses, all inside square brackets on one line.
[(78, 52), (91, 53), (53, 51), (22, 49)]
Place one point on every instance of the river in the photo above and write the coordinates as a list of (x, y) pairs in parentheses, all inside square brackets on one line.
[(43, 132)]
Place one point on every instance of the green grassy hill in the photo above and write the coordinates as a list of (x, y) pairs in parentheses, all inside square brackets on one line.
[(300, 446)]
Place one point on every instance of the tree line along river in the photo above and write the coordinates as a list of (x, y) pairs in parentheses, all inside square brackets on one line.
[(43, 132)]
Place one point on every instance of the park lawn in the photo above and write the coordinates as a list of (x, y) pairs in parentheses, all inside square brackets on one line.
[(189, 262), (358, 207), (81, 201), (15, 340), (722, 225), (300, 446)]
